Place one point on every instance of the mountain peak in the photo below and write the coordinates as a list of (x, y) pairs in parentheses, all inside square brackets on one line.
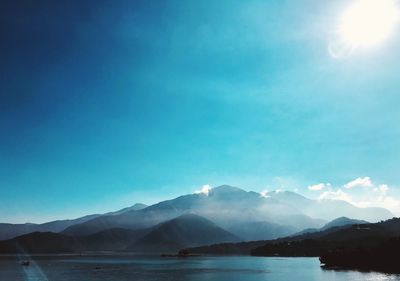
[(135, 207), (224, 189), (343, 221)]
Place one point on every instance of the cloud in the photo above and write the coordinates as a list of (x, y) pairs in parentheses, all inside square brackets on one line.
[(336, 195), (318, 187), (387, 202), (359, 182), (205, 189), (266, 193), (371, 195), (383, 188)]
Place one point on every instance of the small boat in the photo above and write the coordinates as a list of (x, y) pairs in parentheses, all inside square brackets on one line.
[(25, 263)]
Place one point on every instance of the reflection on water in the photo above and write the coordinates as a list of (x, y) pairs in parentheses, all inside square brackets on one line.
[(151, 268)]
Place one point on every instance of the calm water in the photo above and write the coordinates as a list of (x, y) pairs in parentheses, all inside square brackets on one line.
[(148, 268)]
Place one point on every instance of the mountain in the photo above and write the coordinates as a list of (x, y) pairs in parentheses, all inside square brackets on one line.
[(39, 243), (248, 215), (136, 207), (342, 221), (241, 248), (185, 231), (328, 209), (262, 230), (8, 230), (332, 225), (227, 206), (345, 237), (331, 209), (116, 239), (245, 248)]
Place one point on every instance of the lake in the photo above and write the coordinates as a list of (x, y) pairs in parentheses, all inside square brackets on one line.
[(152, 268)]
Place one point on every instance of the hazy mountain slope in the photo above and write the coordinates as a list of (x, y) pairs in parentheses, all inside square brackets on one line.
[(135, 207), (245, 248), (115, 239), (185, 231), (225, 205), (253, 231), (334, 224), (329, 209), (342, 221), (135, 219), (8, 230)]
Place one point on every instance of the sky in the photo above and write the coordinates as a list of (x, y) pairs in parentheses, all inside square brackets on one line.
[(107, 103)]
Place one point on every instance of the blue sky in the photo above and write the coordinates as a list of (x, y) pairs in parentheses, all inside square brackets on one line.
[(108, 103)]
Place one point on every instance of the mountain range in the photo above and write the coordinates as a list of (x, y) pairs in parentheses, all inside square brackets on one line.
[(8, 230), (224, 214)]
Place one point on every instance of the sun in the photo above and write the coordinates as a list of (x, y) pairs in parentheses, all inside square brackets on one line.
[(367, 23)]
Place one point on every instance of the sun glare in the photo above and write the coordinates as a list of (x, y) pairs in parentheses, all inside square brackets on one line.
[(367, 23)]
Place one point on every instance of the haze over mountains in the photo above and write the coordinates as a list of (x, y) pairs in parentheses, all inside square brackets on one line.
[(8, 230), (223, 214)]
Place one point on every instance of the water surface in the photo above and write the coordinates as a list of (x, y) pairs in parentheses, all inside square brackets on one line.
[(151, 268)]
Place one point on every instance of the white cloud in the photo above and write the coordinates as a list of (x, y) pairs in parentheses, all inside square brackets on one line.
[(205, 189), (318, 187), (371, 195), (387, 202), (383, 188), (336, 195), (359, 182), (266, 193)]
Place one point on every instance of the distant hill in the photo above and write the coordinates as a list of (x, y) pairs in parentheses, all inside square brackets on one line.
[(116, 239), (245, 248), (185, 231), (39, 243), (342, 221), (332, 226), (350, 237), (8, 230), (328, 209), (252, 231), (240, 248)]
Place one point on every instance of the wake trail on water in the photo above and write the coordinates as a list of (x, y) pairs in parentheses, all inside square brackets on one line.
[(33, 272)]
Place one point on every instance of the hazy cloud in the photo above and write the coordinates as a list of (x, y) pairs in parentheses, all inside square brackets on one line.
[(318, 187), (360, 182), (336, 195), (205, 189), (371, 195)]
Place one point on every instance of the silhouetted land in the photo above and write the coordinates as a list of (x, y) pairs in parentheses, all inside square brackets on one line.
[(349, 238), (383, 257)]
